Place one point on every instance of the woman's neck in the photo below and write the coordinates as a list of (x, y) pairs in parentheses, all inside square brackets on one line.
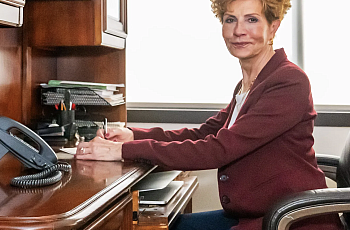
[(251, 68)]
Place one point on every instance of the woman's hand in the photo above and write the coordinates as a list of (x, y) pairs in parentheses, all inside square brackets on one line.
[(117, 134), (99, 149)]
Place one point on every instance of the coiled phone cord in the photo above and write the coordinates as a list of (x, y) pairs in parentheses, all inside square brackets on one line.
[(48, 176)]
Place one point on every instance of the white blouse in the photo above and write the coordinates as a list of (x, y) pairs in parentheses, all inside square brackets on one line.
[(240, 99)]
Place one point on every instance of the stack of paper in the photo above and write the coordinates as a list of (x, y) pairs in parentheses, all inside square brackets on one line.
[(109, 92), (92, 85)]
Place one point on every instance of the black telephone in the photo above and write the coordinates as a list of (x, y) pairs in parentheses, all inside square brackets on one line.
[(42, 158)]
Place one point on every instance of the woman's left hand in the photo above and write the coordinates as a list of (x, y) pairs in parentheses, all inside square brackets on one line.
[(99, 149)]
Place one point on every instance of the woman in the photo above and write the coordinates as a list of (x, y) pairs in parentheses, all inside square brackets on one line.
[(261, 142)]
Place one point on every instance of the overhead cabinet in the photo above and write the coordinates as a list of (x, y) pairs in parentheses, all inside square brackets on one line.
[(78, 23), (75, 40), (11, 13)]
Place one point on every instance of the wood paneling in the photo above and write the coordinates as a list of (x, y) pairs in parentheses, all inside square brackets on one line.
[(10, 73)]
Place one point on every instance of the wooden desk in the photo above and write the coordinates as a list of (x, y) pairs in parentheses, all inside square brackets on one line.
[(95, 195)]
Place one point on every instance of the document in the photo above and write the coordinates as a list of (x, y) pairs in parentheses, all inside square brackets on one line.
[(85, 84), (69, 150)]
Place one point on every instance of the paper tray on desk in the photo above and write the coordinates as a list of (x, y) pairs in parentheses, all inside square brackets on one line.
[(79, 96)]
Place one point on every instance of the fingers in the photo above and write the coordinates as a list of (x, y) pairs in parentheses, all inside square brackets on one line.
[(113, 133), (81, 148), (99, 149), (100, 133), (84, 148)]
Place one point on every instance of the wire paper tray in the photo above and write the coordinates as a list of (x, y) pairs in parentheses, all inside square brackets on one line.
[(79, 96)]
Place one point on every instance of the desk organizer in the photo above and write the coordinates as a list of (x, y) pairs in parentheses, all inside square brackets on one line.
[(79, 96)]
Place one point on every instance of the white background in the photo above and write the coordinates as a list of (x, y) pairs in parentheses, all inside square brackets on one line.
[(176, 53)]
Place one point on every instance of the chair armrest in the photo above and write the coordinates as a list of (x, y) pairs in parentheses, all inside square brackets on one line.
[(328, 164), (306, 204)]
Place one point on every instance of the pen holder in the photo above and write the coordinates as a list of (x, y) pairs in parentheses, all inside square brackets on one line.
[(66, 118)]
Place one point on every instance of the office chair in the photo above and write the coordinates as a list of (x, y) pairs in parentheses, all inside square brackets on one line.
[(318, 201)]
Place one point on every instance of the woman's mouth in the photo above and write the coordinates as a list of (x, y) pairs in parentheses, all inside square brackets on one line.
[(240, 44)]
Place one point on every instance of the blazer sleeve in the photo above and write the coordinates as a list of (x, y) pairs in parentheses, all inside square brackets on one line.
[(282, 101), (211, 126)]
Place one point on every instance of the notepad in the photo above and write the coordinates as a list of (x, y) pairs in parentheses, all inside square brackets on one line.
[(69, 150)]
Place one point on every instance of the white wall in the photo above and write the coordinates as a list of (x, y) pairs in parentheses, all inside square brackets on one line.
[(328, 140)]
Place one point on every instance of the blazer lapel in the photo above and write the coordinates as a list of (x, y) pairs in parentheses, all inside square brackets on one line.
[(238, 86), (254, 94)]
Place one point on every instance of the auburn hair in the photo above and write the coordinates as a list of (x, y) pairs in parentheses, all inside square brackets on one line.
[(273, 9)]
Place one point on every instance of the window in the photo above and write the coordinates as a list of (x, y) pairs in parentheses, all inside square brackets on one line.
[(176, 54), (326, 49)]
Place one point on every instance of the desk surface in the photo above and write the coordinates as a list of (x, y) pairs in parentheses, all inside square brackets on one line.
[(90, 188)]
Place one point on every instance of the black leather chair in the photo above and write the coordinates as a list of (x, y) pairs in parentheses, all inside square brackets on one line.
[(318, 201)]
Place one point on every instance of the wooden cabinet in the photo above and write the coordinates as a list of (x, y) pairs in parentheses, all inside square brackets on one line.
[(78, 23), (114, 19), (60, 39), (11, 12), (70, 40), (14, 2), (10, 73)]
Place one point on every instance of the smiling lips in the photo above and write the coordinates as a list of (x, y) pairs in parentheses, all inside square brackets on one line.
[(240, 44)]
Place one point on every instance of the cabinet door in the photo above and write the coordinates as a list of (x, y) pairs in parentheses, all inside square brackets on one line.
[(14, 2), (76, 23), (11, 15), (114, 22), (114, 13)]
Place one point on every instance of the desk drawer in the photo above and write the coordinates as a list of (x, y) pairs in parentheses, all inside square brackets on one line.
[(117, 216)]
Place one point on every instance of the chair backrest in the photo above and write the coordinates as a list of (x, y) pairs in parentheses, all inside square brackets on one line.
[(343, 173), (343, 169)]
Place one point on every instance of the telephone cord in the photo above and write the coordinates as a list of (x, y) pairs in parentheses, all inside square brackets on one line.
[(46, 177)]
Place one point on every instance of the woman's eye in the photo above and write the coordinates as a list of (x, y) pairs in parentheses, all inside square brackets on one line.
[(252, 20), (229, 20)]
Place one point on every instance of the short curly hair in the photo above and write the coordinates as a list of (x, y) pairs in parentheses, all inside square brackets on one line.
[(273, 9)]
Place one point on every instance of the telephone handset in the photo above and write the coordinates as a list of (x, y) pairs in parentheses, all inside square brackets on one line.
[(41, 158)]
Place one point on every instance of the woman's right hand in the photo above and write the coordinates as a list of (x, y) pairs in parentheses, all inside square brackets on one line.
[(117, 134)]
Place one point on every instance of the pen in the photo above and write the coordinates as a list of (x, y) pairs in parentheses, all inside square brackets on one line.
[(67, 101), (105, 127), (63, 106)]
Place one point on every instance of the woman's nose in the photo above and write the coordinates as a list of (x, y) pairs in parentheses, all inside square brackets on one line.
[(239, 29)]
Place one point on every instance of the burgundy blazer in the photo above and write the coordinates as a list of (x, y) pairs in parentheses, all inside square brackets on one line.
[(265, 155)]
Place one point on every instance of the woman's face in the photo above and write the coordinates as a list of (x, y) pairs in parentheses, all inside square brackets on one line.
[(245, 29)]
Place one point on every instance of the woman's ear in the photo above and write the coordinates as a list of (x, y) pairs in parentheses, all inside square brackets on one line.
[(274, 27)]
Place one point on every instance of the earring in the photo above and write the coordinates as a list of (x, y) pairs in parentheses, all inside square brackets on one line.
[(271, 42)]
